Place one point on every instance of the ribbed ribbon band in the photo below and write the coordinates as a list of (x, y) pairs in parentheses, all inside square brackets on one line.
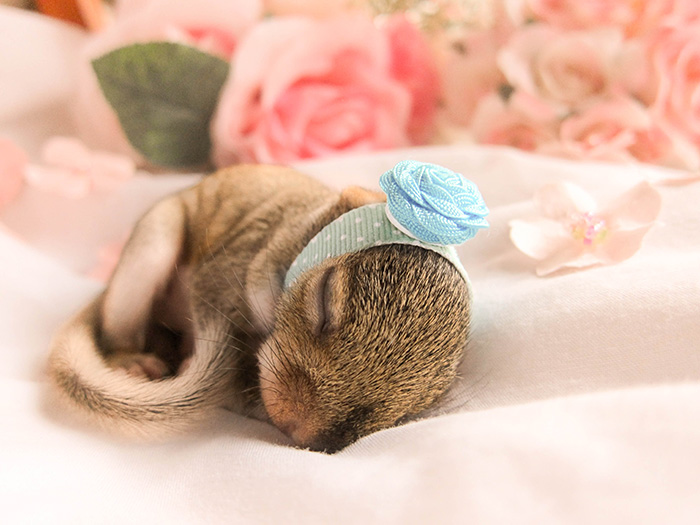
[(359, 229)]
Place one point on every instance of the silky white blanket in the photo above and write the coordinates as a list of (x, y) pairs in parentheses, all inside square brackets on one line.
[(578, 400)]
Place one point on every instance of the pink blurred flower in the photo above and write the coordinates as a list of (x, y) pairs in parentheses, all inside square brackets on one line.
[(13, 162), (666, 146), (605, 130), (107, 259), (572, 233), (635, 17), (558, 65), (307, 88), (523, 121), (413, 65), (620, 129), (470, 71), (315, 8), (676, 58), (681, 12), (72, 170), (214, 26)]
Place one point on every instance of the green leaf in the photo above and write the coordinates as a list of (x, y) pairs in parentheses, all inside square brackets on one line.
[(164, 95)]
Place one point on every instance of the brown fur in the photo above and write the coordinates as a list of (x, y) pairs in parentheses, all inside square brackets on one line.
[(194, 318)]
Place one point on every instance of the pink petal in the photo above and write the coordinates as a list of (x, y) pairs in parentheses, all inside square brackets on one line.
[(6, 231), (539, 238), (116, 166), (108, 170), (621, 244), (61, 181), (107, 259), (572, 254), (352, 36), (637, 207), (413, 65), (71, 169), (13, 162), (66, 152), (516, 57), (680, 178), (561, 201)]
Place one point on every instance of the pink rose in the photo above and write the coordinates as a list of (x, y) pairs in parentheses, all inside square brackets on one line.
[(13, 162), (470, 72), (676, 59), (573, 14), (523, 121), (469, 64), (633, 73), (681, 12), (635, 17), (664, 145), (315, 8), (214, 26), (306, 88), (413, 65), (563, 66), (620, 129), (603, 131)]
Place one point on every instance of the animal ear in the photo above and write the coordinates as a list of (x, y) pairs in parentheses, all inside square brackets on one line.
[(325, 301), (142, 275), (354, 196)]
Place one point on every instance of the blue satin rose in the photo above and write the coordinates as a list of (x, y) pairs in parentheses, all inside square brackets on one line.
[(433, 204)]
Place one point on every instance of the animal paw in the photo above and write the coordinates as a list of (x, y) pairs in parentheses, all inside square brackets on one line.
[(142, 365)]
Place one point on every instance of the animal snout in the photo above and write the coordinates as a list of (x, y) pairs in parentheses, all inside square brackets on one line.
[(295, 428), (302, 421), (295, 406), (329, 441), (288, 410)]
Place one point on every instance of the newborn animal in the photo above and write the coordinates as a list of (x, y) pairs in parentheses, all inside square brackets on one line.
[(196, 317)]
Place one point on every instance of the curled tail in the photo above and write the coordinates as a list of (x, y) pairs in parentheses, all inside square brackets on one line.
[(129, 405), (121, 317)]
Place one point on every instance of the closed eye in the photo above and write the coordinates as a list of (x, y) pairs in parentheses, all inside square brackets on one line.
[(323, 316)]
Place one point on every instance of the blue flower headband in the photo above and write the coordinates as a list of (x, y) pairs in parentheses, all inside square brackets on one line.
[(427, 205)]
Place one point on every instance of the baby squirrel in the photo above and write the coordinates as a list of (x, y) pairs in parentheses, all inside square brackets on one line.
[(196, 317)]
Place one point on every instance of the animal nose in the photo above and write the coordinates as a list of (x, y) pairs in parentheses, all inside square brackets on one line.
[(288, 428), (333, 440), (297, 429), (327, 446), (327, 442)]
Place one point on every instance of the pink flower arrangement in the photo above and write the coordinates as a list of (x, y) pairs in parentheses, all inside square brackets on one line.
[(328, 80), (197, 83), (613, 80), (621, 76)]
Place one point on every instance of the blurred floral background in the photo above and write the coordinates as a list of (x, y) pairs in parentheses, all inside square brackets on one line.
[(613, 80)]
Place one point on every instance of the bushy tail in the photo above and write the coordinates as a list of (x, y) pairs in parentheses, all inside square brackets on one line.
[(134, 406)]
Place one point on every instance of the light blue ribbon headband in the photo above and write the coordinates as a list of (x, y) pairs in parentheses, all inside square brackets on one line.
[(427, 206)]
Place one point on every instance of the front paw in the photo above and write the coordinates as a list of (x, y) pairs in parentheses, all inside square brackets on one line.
[(147, 366)]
